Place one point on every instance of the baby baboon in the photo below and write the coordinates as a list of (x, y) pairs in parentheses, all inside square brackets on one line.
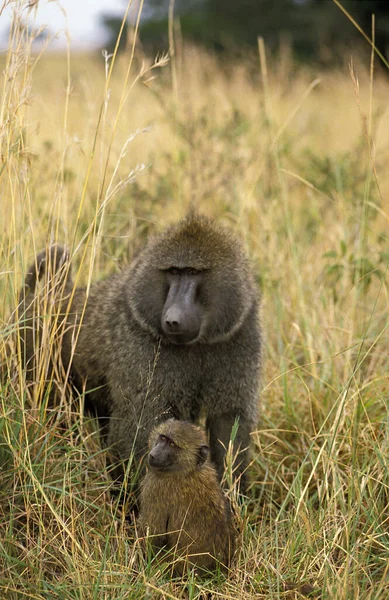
[(182, 507), (175, 334)]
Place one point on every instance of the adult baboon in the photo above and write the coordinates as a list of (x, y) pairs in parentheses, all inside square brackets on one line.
[(182, 507), (175, 334)]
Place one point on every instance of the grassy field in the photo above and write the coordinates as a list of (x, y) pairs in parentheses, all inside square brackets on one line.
[(98, 155)]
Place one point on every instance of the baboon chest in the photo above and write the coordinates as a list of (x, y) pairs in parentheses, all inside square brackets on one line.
[(181, 381)]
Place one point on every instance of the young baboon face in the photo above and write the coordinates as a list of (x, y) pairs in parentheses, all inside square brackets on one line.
[(177, 446), (192, 284)]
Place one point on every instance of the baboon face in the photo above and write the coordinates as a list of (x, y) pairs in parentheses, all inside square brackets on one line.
[(191, 284), (182, 313), (177, 446)]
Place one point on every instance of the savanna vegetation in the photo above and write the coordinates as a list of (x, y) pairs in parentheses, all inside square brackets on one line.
[(99, 152)]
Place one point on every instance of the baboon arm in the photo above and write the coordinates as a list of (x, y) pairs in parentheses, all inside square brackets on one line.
[(154, 517)]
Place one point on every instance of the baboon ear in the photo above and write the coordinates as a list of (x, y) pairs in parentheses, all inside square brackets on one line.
[(202, 455)]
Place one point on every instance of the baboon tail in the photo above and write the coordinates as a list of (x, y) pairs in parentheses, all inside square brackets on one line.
[(51, 261)]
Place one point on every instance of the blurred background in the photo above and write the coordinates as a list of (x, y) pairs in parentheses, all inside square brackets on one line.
[(314, 30)]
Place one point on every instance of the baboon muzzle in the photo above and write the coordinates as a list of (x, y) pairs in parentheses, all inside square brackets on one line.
[(181, 319)]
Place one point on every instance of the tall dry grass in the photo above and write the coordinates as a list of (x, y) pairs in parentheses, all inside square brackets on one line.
[(97, 154)]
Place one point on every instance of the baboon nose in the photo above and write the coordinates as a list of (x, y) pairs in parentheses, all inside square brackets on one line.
[(179, 326), (173, 325), (152, 461), (172, 320)]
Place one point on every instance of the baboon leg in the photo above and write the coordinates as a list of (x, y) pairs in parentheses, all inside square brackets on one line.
[(220, 428)]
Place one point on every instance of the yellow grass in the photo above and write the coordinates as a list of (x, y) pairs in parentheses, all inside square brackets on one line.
[(296, 161)]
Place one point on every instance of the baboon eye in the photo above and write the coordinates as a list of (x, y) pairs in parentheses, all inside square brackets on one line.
[(172, 444), (193, 272), (163, 438), (174, 271)]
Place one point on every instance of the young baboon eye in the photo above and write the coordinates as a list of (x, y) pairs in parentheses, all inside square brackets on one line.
[(202, 455), (163, 438), (172, 444)]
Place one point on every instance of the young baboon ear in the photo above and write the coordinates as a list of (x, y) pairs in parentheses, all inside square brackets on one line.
[(202, 455)]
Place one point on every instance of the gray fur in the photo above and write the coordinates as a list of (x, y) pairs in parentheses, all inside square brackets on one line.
[(138, 377)]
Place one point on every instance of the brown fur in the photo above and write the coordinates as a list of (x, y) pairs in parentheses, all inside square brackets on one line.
[(185, 511)]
